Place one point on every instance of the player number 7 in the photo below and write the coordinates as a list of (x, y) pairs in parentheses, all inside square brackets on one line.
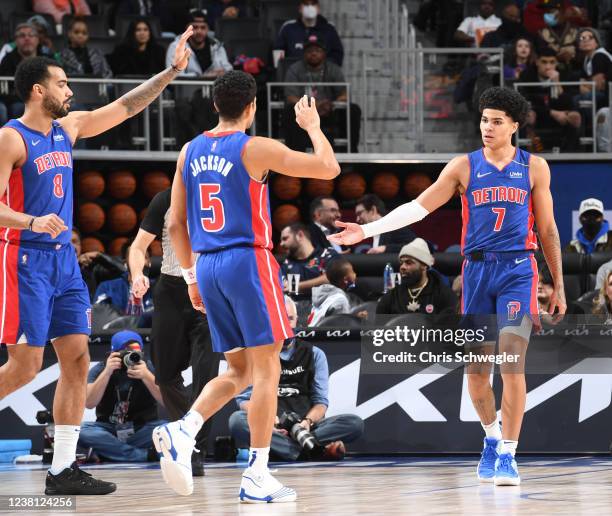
[(501, 213)]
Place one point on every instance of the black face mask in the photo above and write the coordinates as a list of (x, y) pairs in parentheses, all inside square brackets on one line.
[(592, 226), (410, 279)]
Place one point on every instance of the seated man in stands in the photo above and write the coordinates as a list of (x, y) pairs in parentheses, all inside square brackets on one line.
[(551, 107), (304, 259), (421, 290), (332, 298), (594, 234), (293, 33), (302, 401), (473, 28), (125, 396), (324, 212), (602, 303), (315, 67), (370, 208)]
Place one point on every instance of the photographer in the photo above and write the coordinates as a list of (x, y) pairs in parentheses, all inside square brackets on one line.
[(301, 430), (125, 396)]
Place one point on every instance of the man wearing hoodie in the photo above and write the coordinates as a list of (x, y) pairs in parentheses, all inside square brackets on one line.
[(293, 33), (331, 298), (421, 289), (595, 234)]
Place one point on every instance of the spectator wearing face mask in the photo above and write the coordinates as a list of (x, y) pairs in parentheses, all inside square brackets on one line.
[(594, 234), (421, 289), (510, 29), (559, 34)]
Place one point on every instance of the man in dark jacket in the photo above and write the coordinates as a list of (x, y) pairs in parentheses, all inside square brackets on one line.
[(293, 33), (594, 234), (421, 290), (370, 208)]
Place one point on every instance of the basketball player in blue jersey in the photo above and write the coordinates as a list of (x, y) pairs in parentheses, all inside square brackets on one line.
[(42, 294), (220, 210), (504, 190)]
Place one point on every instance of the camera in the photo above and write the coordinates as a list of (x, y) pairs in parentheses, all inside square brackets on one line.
[(290, 421), (130, 358)]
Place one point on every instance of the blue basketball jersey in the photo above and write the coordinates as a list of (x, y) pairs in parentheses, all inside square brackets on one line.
[(497, 206), (226, 207), (43, 184)]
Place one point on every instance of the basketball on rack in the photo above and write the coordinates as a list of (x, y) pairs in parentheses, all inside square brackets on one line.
[(114, 248), (386, 185), (91, 217), (351, 186), (121, 184), (286, 188), (319, 187), (415, 184), (91, 184), (122, 218), (89, 244), (284, 215), (154, 182)]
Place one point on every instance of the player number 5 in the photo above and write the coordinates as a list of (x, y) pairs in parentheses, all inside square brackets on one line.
[(501, 213), (208, 202)]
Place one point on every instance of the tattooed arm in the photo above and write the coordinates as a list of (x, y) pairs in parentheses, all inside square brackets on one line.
[(84, 124), (547, 230)]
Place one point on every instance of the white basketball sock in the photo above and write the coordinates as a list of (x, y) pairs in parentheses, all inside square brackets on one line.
[(258, 459), (509, 446), (493, 429), (193, 422), (64, 447)]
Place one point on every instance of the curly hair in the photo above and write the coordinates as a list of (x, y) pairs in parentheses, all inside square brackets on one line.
[(602, 304), (31, 71), (232, 93), (509, 101)]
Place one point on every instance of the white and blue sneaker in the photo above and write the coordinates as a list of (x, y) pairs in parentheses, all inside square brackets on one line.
[(486, 466), (506, 471), (264, 488), (175, 447)]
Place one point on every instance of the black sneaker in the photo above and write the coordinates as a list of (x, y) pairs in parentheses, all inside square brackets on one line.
[(197, 464), (74, 481)]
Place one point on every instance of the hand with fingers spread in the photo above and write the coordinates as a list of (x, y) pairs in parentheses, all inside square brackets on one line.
[(351, 234), (51, 224), (182, 51), (196, 298), (306, 115)]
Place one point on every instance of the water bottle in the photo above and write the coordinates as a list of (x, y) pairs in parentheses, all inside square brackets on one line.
[(134, 305), (388, 282)]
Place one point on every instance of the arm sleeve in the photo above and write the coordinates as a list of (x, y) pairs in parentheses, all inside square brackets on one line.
[(95, 371), (153, 221), (320, 384), (401, 216)]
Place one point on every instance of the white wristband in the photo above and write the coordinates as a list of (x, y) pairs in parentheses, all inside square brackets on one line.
[(190, 275), (401, 216)]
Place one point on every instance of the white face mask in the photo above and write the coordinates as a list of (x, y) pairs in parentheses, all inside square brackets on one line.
[(310, 12)]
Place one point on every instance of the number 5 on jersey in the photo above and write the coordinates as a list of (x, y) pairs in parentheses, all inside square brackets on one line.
[(209, 202)]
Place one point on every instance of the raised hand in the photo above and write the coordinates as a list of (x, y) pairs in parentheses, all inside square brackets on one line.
[(51, 224), (351, 234), (182, 52), (307, 116)]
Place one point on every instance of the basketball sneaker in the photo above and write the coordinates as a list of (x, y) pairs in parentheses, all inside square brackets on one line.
[(74, 481), (486, 466), (264, 488), (506, 471), (175, 447)]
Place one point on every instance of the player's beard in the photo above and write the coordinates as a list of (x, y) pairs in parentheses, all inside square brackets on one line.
[(54, 108)]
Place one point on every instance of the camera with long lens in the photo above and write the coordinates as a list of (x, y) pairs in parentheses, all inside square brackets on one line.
[(290, 421), (130, 358)]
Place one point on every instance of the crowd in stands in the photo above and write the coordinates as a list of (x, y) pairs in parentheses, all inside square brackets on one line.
[(132, 39)]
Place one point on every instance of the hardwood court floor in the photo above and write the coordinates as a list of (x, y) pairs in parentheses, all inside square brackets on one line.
[(551, 485)]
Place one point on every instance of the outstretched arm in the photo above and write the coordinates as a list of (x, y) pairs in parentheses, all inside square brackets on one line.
[(431, 199), (547, 231), (84, 124), (263, 154)]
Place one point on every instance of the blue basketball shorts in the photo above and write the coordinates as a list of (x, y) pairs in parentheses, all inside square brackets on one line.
[(241, 290), (501, 284), (42, 294)]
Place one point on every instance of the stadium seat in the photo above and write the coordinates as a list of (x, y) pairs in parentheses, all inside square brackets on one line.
[(368, 306), (106, 45), (340, 321), (274, 11), (573, 289), (231, 29), (123, 22), (97, 25), (252, 47), (125, 322)]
